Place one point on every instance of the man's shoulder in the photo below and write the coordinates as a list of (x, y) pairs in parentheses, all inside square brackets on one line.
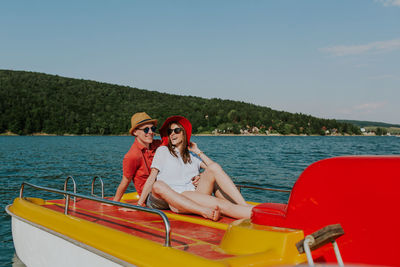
[(133, 153)]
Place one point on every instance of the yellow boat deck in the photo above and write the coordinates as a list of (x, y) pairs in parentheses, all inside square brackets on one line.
[(137, 237)]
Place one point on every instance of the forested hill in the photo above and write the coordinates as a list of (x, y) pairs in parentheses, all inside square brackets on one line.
[(35, 102)]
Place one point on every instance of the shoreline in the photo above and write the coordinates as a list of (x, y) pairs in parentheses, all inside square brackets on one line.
[(238, 135)]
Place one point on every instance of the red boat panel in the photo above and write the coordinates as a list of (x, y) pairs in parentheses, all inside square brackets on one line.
[(194, 238), (195, 231), (360, 193), (223, 219)]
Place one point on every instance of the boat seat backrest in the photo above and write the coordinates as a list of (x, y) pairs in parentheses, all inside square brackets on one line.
[(361, 193)]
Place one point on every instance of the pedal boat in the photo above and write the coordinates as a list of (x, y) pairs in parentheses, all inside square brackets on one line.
[(341, 209)]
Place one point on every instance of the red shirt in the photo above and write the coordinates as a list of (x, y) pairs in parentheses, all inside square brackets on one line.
[(137, 162)]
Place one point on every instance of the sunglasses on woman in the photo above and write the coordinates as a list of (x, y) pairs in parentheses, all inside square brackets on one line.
[(176, 130), (147, 129)]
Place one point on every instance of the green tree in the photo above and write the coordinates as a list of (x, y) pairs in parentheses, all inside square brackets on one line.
[(381, 131), (233, 115)]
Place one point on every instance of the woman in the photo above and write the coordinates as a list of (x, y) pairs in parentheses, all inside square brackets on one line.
[(174, 165)]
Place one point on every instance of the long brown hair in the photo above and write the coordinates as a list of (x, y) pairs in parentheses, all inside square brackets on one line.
[(185, 148)]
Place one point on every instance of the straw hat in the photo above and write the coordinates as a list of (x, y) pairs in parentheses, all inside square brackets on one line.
[(140, 118), (182, 121)]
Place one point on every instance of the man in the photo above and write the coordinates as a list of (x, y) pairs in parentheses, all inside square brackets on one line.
[(137, 162)]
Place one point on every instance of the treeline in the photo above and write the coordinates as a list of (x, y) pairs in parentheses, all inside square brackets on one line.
[(36, 102)]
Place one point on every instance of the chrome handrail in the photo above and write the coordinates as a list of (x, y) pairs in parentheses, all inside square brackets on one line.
[(110, 202), (239, 186), (66, 184), (102, 186)]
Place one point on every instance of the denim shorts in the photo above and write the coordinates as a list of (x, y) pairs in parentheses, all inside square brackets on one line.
[(156, 203)]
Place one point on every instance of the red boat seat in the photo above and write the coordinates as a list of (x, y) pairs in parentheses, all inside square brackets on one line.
[(270, 208), (361, 193)]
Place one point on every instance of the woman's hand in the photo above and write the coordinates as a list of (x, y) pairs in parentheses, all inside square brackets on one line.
[(194, 148), (141, 203)]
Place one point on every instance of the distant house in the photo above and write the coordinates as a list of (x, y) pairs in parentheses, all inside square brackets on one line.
[(255, 130)]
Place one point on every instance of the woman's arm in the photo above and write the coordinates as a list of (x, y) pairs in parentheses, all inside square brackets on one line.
[(147, 187), (206, 160)]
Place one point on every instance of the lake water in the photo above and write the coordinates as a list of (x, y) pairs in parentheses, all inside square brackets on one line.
[(266, 161)]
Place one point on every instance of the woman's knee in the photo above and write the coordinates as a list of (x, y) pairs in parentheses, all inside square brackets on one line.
[(207, 174), (214, 167), (159, 187)]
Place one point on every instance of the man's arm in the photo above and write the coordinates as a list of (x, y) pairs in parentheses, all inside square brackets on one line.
[(130, 165), (122, 188)]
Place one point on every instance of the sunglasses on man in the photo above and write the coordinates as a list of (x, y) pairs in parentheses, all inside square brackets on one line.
[(176, 130), (147, 129)]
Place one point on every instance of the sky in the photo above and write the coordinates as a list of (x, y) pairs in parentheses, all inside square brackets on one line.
[(336, 59)]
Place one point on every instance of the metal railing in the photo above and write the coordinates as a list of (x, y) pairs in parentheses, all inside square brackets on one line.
[(102, 186), (110, 202), (66, 184), (239, 186)]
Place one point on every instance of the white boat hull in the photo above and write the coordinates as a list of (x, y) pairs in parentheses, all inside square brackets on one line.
[(37, 247)]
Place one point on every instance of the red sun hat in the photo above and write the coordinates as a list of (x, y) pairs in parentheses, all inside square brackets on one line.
[(182, 121)]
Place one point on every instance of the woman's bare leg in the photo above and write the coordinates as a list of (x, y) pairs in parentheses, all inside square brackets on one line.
[(226, 207), (181, 204), (207, 185), (226, 189), (206, 182)]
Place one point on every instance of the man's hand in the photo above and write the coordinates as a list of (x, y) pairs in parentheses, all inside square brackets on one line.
[(196, 180)]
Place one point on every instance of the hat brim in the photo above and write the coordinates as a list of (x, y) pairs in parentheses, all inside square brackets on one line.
[(154, 121)]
